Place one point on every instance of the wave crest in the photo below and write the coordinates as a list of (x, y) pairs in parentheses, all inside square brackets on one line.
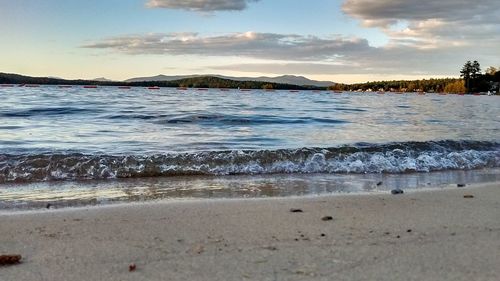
[(360, 158)]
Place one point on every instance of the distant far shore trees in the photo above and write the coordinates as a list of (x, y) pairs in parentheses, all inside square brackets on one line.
[(424, 85), (471, 80), (456, 87), (475, 81)]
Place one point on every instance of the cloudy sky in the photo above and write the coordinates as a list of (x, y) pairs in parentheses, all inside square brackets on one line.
[(338, 40)]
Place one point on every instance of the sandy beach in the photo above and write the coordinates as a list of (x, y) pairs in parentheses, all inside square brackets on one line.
[(425, 235)]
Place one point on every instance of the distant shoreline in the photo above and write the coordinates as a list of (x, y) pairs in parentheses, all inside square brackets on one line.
[(293, 88), (192, 82), (215, 82)]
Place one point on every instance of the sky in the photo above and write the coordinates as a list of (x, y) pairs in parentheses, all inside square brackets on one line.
[(344, 41)]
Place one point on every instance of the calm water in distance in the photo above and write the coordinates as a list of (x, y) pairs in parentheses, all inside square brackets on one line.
[(140, 121)]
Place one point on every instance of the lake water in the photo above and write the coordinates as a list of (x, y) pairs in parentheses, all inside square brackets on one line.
[(51, 134)]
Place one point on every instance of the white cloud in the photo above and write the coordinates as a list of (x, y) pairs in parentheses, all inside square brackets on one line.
[(247, 44), (427, 37), (388, 12), (201, 5), (430, 23)]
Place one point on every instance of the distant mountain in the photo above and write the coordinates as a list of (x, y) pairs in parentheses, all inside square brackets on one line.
[(189, 81), (161, 78), (102, 79), (285, 79), (11, 78)]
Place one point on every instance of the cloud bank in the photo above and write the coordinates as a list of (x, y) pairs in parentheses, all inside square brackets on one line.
[(429, 23), (388, 12), (332, 55), (248, 44), (426, 37), (201, 5)]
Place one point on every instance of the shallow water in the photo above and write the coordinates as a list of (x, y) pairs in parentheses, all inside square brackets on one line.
[(49, 134), (97, 192)]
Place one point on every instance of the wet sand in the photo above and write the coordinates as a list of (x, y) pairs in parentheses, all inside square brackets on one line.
[(425, 235)]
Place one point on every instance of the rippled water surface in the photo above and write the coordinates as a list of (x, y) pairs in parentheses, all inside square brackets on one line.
[(73, 146), (139, 121)]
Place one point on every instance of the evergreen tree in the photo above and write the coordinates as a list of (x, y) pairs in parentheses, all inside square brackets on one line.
[(471, 73), (465, 73), (476, 70)]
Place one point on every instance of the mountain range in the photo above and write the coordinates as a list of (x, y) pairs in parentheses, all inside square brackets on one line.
[(286, 82), (285, 79)]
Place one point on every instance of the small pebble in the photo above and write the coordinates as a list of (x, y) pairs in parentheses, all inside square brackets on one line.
[(323, 235), (48, 206), (379, 183), (132, 267), (327, 218), (461, 185), (397, 191), (468, 196), (398, 236), (409, 230), (296, 210), (10, 259)]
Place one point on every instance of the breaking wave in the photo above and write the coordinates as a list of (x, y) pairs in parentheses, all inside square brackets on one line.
[(360, 158)]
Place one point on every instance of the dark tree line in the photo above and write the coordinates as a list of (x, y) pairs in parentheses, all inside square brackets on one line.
[(471, 80), (195, 82), (426, 85), (475, 81), (471, 73)]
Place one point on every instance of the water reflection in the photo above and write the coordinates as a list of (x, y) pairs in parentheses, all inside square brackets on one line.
[(63, 194)]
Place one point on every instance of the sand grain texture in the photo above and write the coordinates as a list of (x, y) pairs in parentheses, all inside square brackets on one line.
[(435, 235)]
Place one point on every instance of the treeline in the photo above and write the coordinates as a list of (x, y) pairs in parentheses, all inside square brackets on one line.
[(472, 80), (426, 85), (475, 81), (195, 82)]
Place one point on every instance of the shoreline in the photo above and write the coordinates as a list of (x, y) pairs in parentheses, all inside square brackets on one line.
[(64, 194), (423, 235), (196, 201)]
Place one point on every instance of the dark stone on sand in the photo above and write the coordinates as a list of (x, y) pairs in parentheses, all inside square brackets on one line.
[(468, 196), (397, 191), (323, 235), (461, 185), (48, 206), (132, 267), (379, 183), (327, 218), (398, 236), (10, 259), (296, 210), (409, 230)]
